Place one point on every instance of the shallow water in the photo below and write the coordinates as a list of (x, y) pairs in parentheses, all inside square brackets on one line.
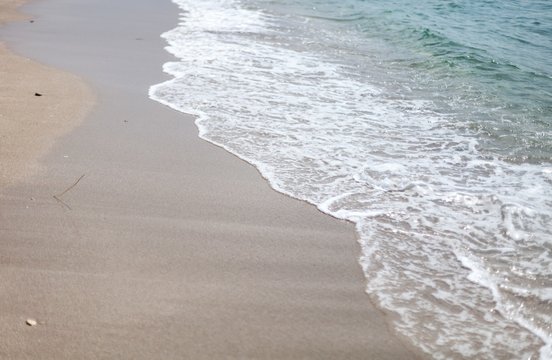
[(428, 125)]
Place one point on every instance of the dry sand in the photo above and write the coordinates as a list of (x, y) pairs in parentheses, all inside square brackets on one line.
[(9, 12), (168, 247), (30, 124)]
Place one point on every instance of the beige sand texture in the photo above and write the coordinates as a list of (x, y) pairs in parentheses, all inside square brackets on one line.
[(30, 124), (9, 12), (168, 247)]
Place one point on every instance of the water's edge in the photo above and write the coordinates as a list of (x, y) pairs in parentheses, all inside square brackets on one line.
[(420, 222)]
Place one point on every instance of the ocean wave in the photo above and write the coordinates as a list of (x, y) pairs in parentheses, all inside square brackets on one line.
[(449, 228)]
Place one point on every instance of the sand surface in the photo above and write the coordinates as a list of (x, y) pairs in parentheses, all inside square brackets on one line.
[(30, 124), (168, 247), (9, 11)]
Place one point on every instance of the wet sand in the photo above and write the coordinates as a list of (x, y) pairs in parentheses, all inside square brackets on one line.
[(168, 247), (38, 105)]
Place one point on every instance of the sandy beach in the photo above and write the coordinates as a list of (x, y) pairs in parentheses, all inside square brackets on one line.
[(39, 104), (163, 246)]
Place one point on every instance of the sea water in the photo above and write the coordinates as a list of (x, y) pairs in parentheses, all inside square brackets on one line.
[(426, 123)]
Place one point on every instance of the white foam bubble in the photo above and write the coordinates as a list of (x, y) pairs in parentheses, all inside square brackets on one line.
[(448, 234)]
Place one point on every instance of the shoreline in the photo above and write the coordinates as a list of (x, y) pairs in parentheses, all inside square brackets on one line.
[(169, 246)]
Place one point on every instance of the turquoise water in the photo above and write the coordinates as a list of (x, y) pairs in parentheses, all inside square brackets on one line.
[(427, 124), (489, 62)]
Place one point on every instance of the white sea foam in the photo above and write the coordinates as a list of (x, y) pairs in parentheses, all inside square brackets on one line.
[(458, 243)]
